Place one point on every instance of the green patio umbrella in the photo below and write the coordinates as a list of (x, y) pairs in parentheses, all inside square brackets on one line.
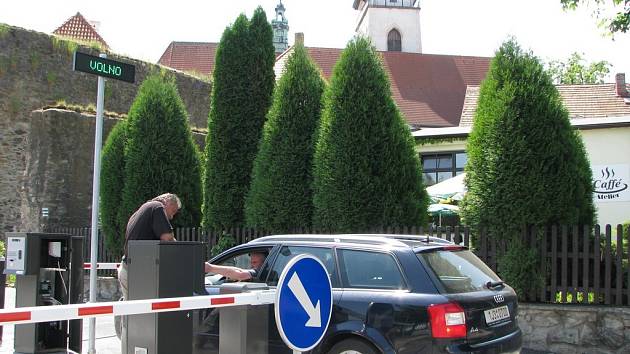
[(440, 210)]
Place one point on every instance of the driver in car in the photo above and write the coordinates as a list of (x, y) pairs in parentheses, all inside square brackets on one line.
[(256, 260)]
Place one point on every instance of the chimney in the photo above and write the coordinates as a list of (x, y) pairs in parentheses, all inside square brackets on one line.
[(95, 24), (299, 38), (622, 90)]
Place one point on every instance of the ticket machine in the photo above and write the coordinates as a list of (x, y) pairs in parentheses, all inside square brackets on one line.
[(49, 271)]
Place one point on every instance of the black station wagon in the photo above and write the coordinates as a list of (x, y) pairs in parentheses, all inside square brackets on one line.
[(391, 294)]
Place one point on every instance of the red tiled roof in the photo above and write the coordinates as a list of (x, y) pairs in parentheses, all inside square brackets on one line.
[(190, 56), (428, 89), (593, 101), (582, 101), (78, 28), (325, 58)]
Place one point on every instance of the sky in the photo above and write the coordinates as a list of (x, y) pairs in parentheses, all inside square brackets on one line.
[(143, 29)]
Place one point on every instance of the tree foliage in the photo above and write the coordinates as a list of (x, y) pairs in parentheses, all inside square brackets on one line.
[(280, 197), (111, 188), (366, 171), (617, 22), (243, 82), (575, 71), (160, 155), (526, 165)]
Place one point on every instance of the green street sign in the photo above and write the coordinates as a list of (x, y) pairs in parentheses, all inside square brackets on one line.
[(103, 67)]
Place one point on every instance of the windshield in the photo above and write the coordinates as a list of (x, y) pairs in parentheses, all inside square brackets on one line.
[(459, 271)]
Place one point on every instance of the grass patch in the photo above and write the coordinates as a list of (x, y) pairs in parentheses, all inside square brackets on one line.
[(89, 109), (97, 46), (199, 130), (590, 298), (199, 76), (4, 29), (64, 45)]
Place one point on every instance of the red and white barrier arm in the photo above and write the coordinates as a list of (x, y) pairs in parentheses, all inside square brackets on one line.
[(102, 265), (78, 311)]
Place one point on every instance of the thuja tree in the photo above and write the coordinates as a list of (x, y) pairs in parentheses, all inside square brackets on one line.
[(366, 172), (243, 81), (526, 165), (160, 155), (111, 188), (280, 197)]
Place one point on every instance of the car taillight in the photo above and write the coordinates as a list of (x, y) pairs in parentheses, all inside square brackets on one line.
[(447, 320), (453, 248)]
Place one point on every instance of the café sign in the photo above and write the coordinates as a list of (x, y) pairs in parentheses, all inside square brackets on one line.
[(611, 183)]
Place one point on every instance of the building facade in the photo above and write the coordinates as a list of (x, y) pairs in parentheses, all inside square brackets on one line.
[(393, 25), (599, 112)]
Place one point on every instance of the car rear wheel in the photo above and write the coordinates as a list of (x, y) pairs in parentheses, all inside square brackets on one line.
[(352, 346)]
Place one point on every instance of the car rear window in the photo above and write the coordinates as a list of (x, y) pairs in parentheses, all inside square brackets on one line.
[(370, 270), (459, 271)]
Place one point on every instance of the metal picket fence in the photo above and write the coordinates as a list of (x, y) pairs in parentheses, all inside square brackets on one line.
[(579, 264)]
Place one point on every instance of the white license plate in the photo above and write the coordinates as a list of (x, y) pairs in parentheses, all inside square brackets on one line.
[(497, 314)]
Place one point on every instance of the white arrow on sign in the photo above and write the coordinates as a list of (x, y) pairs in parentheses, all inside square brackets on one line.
[(314, 313)]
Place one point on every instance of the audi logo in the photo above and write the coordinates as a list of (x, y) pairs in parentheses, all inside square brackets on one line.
[(498, 298)]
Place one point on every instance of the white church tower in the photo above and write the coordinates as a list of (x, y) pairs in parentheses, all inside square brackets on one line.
[(393, 25), (280, 27)]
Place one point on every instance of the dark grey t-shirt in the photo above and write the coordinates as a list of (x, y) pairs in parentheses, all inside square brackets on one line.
[(148, 223)]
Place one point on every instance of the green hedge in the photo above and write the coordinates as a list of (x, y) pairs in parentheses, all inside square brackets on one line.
[(366, 171), (526, 164), (243, 81), (280, 197), (160, 155), (113, 222)]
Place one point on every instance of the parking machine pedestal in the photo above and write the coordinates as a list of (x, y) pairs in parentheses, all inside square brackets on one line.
[(161, 269), (244, 329)]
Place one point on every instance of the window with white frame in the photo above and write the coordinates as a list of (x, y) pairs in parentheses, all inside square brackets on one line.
[(439, 166)]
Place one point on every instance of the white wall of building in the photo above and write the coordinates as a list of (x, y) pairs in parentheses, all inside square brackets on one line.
[(611, 148), (376, 22), (606, 148)]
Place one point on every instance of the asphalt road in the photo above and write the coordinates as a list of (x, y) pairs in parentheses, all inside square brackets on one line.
[(106, 340)]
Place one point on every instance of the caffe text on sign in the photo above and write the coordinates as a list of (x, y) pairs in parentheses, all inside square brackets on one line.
[(610, 183)]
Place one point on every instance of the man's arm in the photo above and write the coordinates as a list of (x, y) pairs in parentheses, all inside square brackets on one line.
[(167, 236), (230, 272), (161, 225)]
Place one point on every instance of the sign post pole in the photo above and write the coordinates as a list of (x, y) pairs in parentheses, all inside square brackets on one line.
[(102, 67), (98, 139)]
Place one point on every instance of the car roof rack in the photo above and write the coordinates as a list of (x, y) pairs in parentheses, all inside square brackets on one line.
[(376, 239)]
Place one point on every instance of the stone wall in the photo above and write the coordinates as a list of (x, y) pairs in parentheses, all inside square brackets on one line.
[(575, 329), (59, 159), (36, 71)]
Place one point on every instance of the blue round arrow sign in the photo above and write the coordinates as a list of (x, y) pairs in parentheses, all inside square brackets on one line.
[(303, 302)]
